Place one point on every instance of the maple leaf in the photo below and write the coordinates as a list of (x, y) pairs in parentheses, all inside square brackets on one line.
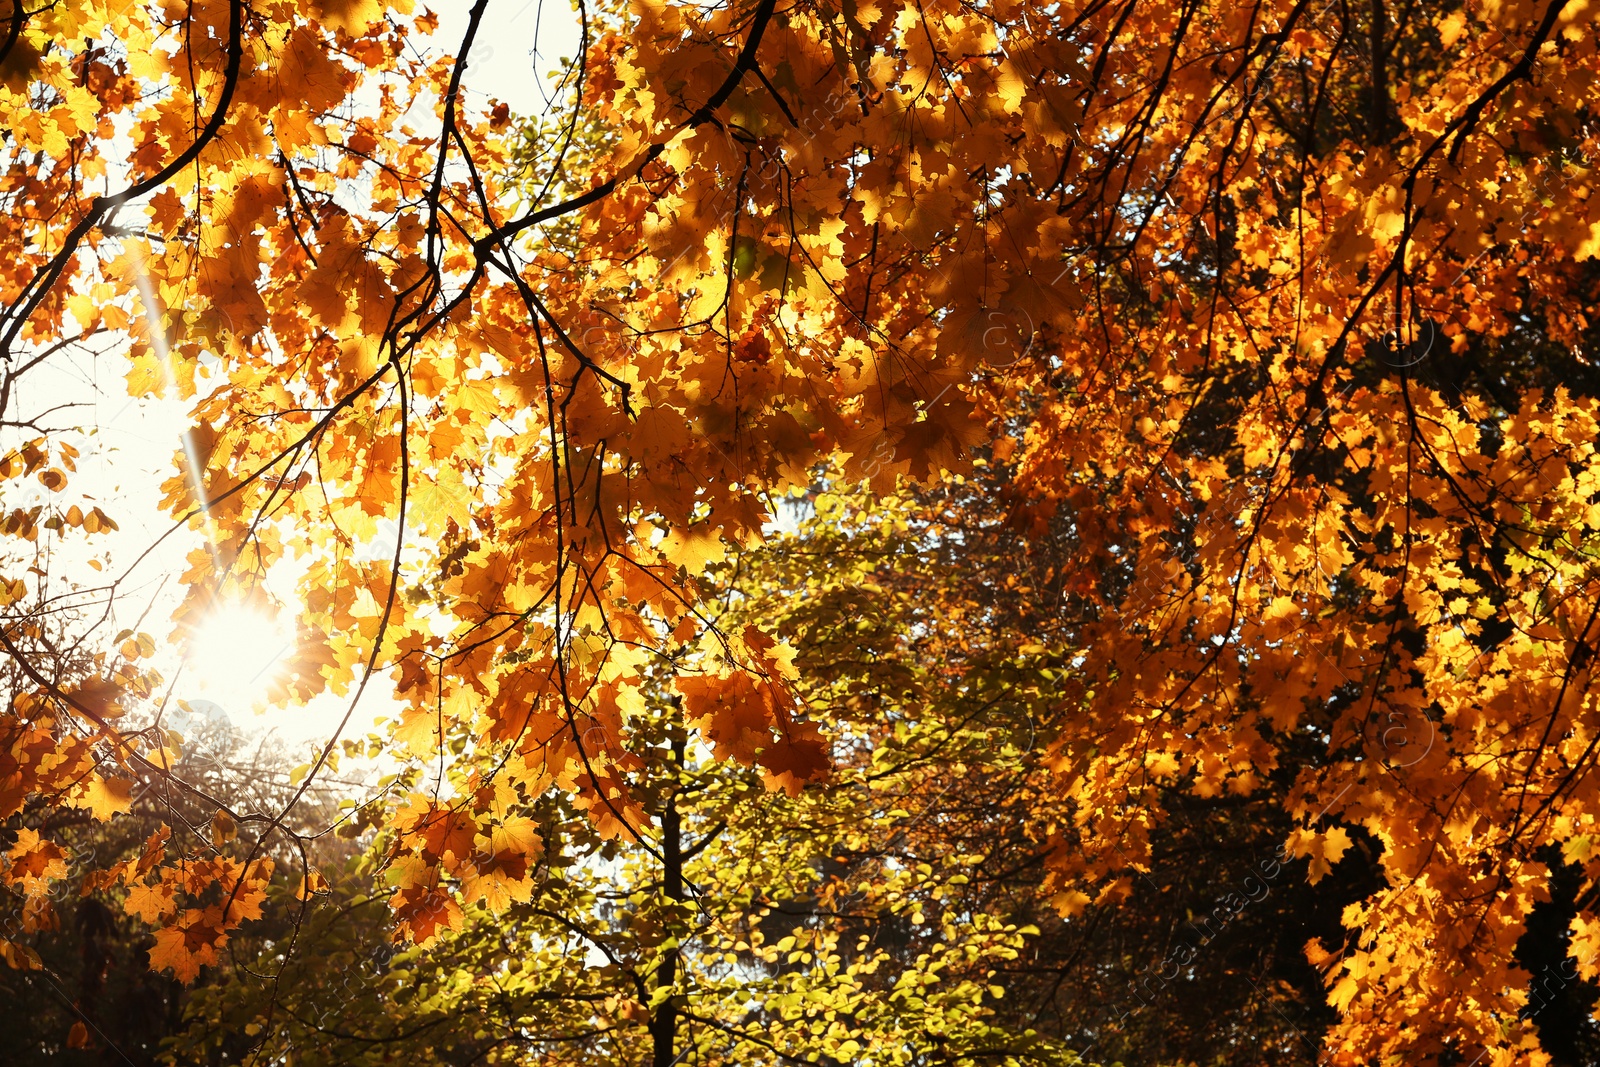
[(1070, 903), (151, 903), (185, 947), (311, 884), (695, 548), (34, 862), (354, 16), (797, 759), (107, 797), (418, 729), (442, 831), (498, 880), (517, 834), (311, 77), (1324, 850), (153, 853), (101, 697), (427, 915)]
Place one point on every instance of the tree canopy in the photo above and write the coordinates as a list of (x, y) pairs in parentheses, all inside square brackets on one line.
[(1192, 405)]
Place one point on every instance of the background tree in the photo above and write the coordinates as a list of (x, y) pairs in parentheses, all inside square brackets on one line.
[(83, 991), (739, 928), (929, 622)]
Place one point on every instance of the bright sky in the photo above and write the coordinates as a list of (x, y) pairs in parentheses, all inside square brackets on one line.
[(135, 443), (519, 44)]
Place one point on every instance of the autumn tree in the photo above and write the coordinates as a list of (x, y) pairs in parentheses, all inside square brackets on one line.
[(1281, 311), (932, 621), (81, 984), (734, 931)]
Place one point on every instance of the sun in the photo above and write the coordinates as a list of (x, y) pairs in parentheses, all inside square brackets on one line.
[(236, 652)]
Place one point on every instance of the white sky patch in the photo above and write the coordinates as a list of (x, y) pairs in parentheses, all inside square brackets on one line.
[(520, 43)]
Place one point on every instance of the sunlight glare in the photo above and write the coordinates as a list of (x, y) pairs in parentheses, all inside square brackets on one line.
[(236, 653)]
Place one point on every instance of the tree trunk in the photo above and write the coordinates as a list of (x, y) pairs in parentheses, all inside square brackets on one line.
[(664, 1023)]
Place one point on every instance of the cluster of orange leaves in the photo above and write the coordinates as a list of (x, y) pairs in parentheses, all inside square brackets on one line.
[(890, 232), (194, 902)]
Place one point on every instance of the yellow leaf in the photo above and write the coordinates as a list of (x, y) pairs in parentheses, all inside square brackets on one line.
[(1450, 28), (151, 903), (106, 797), (1010, 87), (1070, 903), (694, 548), (1334, 843)]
